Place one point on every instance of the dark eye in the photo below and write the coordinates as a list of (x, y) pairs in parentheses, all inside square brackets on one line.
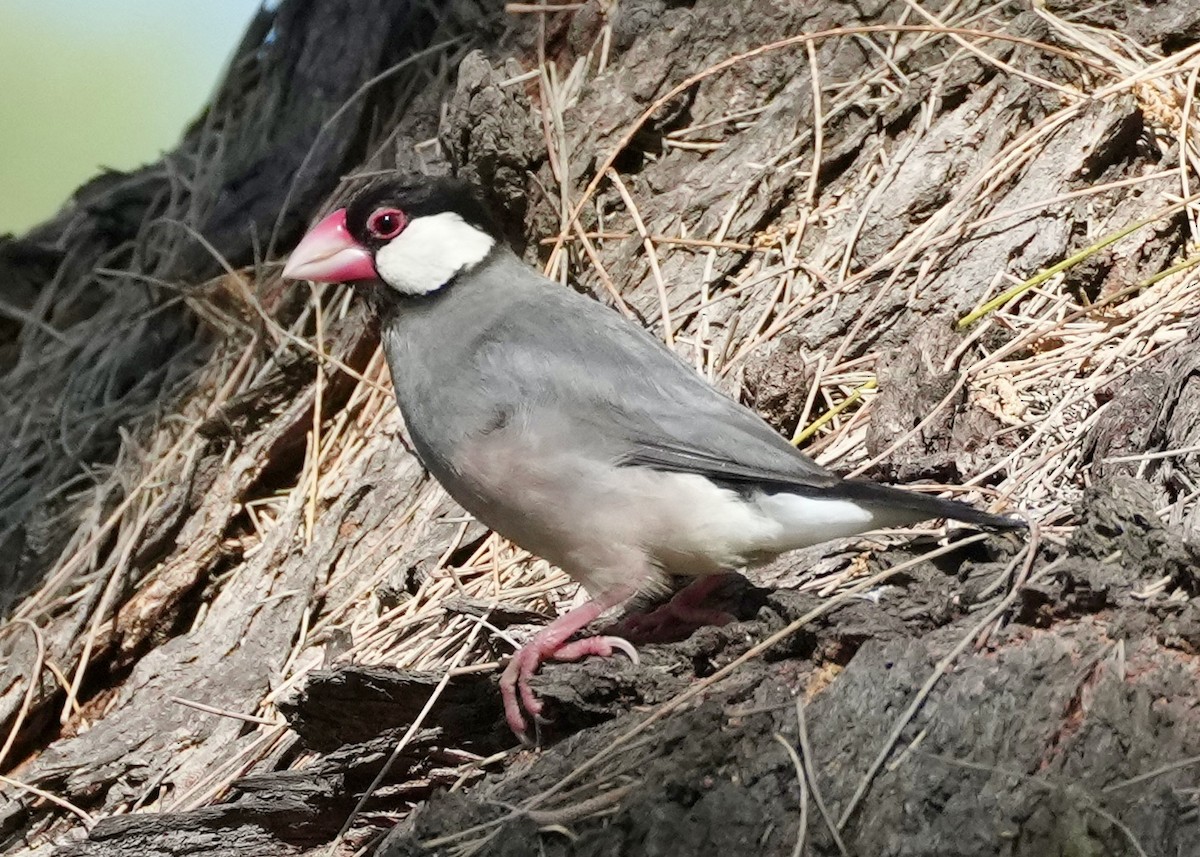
[(386, 223)]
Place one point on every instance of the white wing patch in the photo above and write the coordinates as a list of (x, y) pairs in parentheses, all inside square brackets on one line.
[(429, 252)]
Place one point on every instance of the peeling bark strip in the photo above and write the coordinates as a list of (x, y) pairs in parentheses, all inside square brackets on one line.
[(230, 589)]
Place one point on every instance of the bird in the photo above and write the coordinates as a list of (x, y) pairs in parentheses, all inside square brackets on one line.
[(573, 431)]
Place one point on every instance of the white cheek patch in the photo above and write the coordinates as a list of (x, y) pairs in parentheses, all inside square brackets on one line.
[(429, 252)]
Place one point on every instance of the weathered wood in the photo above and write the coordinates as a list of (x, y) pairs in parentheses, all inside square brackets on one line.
[(342, 706), (282, 813), (128, 356), (1042, 742)]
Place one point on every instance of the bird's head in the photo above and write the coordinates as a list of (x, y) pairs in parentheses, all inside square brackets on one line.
[(413, 236)]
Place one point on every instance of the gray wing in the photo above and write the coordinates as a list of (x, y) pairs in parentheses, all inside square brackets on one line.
[(625, 391)]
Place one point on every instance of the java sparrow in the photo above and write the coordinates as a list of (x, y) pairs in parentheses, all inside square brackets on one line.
[(571, 430)]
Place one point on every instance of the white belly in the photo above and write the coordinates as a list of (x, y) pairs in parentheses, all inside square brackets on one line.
[(611, 526)]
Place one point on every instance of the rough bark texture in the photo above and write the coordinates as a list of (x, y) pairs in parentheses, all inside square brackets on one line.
[(1067, 725)]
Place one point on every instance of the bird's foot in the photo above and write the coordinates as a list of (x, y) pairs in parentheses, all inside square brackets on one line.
[(552, 643), (680, 617)]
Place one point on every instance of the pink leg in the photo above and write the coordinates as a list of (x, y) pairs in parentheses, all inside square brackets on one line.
[(683, 614), (551, 644)]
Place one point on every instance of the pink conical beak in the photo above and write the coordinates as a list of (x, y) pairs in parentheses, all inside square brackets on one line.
[(329, 254)]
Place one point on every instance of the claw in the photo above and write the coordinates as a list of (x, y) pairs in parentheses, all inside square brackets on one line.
[(620, 644), (551, 644)]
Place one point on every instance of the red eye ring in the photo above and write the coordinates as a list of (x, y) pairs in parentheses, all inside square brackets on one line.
[(386, 223)]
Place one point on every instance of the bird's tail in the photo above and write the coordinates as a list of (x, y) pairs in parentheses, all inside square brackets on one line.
[(898, 507)]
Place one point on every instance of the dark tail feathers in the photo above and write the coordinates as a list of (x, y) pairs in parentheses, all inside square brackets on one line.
[(910, 507)]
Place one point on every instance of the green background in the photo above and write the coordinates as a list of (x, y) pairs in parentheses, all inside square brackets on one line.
[(86, 84)]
